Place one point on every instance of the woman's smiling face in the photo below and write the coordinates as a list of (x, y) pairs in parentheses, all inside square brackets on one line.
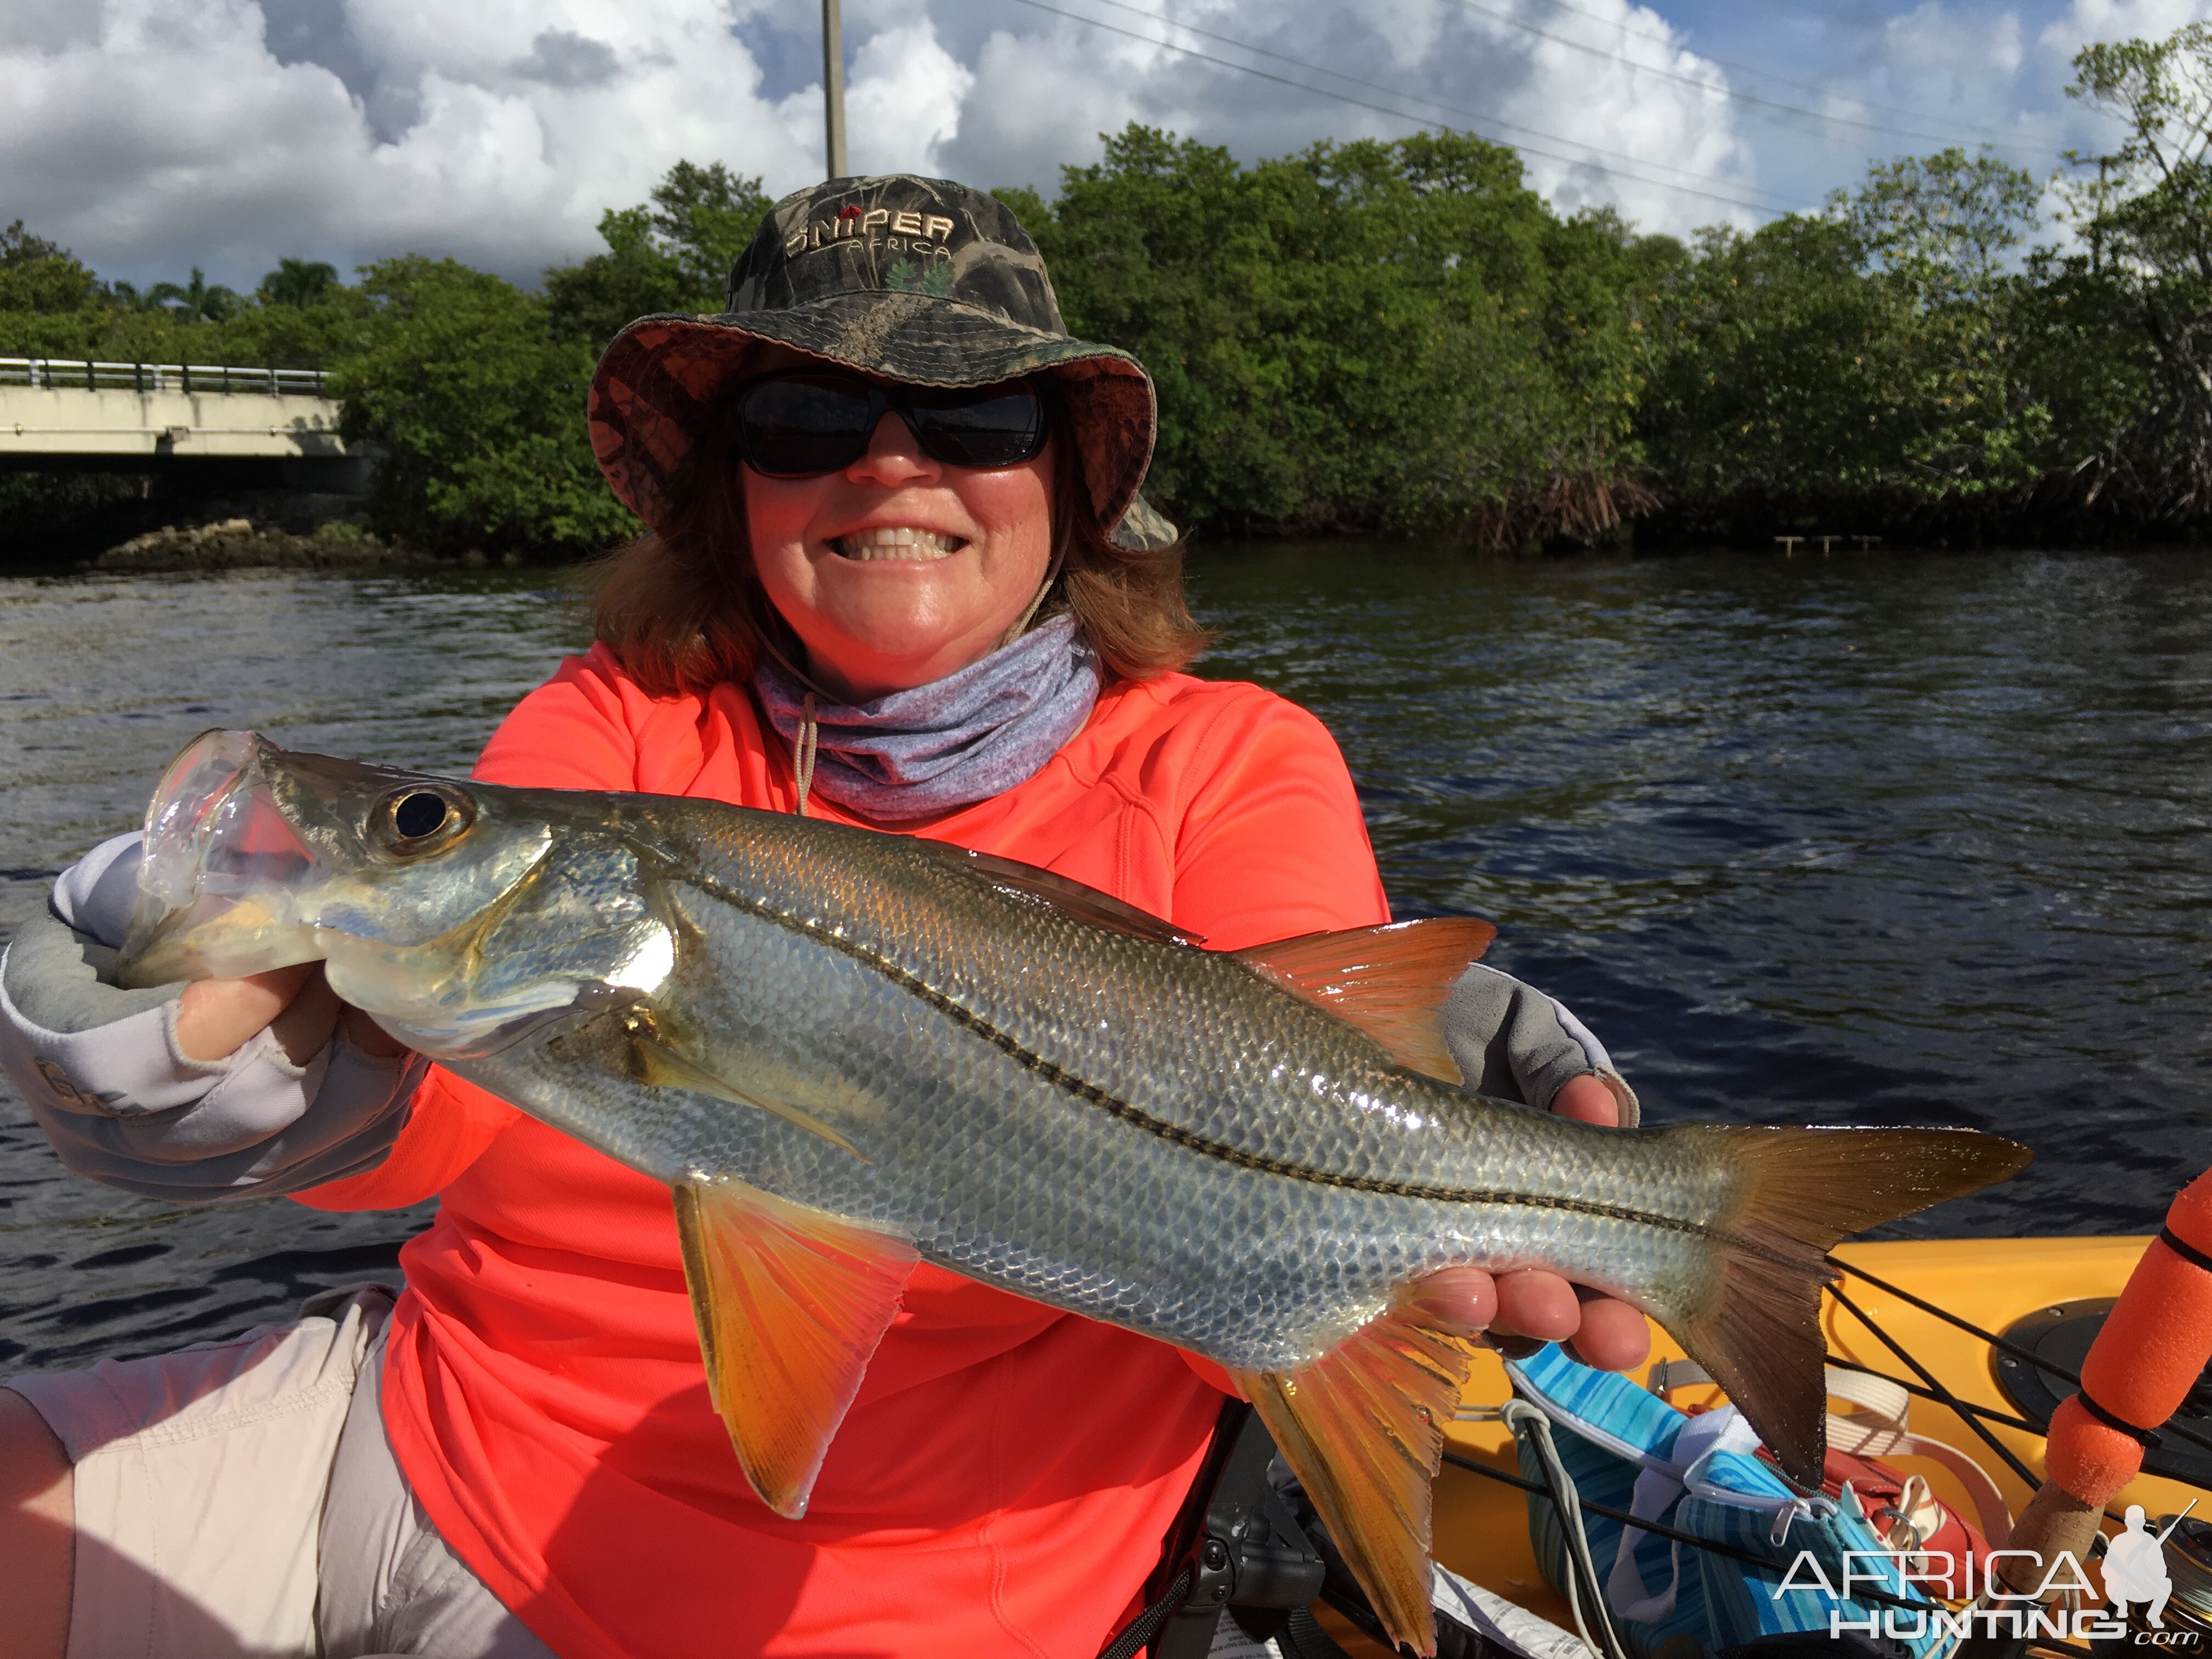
[(898, 569)]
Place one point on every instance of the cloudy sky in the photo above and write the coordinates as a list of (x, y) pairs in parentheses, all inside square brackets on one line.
[(149, 136)]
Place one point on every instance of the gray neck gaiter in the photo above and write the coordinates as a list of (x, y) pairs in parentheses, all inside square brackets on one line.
[(966, 737)]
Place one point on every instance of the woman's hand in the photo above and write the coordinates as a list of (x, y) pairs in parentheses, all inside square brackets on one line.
[(169, 1093), (217, 1017), (1537, 1305)]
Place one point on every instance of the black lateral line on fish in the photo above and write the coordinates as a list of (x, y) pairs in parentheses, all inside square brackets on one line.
[(1139, 1118)]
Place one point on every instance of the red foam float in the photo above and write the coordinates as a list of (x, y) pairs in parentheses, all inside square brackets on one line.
[(2153, 1347)]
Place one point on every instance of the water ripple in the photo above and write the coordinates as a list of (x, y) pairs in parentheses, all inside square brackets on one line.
[(1874, 839)]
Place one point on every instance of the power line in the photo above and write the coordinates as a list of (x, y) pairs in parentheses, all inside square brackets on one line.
[(1435, 103), (1707, 87), (1399, 114), (1403, 115), (1765, 74)]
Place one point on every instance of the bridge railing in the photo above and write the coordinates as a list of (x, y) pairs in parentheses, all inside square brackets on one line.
[(66, 373)]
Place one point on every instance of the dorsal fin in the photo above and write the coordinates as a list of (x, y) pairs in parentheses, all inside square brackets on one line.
[(1391, 981), (1068, 897)]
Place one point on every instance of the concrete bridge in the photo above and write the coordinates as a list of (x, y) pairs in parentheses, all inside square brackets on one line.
[(64, 415)]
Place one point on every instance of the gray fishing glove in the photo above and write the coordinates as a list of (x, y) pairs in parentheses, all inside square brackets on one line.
[(1514, 1042), (102, 1072)]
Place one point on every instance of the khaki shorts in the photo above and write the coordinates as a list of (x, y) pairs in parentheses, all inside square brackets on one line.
[(240, 1498)]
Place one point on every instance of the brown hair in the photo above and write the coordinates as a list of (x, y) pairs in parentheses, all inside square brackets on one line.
[(683, 609)]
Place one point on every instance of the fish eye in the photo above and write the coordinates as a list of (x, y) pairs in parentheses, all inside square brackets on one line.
[(418, 815), (421, 818)]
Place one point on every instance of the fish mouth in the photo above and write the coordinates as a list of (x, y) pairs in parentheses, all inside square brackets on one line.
[(220, 861), (433, 910), (253, 853)]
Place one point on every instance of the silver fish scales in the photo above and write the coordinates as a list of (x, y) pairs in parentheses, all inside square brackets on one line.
[(846, 1052)]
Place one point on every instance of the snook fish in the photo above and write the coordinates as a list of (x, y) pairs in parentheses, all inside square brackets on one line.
[(848, 1052)]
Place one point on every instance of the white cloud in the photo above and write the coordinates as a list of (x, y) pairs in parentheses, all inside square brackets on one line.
[(1050, 94), (1940, 58), (1669, 151), (903, 102), (154, 134), (175, 135), (2122, 20), (151, 135), (1047, 85)]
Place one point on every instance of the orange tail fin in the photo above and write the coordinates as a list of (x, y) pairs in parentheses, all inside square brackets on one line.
[(1755, 1324)]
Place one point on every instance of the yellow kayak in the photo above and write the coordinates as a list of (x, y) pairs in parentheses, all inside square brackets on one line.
[(1482, 1525)]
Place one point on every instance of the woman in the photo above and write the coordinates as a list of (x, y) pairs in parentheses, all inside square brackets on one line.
[(899, 576)]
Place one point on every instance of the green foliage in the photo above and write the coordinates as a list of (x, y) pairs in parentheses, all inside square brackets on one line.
[(1398, 335), (195, 299), (2082, 349), (1875, 352), (1402, 336), (1764, 385), (1947, 225), (704, 218), (297, 283), (1366, 334), (39, 278), (111, 329), (19, 248), (591, 302), (672, 252), (320, 333), (2148, 221), (478, 407)]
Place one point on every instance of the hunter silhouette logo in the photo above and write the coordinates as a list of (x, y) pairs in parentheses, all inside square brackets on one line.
[(2135, 1571), (2134, 1567)]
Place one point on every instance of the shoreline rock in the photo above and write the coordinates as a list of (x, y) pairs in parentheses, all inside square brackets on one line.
[(241, 544)]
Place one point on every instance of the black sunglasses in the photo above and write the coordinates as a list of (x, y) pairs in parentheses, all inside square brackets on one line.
[(807, 422)]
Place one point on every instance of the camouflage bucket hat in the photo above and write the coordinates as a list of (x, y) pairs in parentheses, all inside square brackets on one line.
[(918, 280)]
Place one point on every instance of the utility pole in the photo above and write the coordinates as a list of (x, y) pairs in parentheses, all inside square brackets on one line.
[(833, 85)]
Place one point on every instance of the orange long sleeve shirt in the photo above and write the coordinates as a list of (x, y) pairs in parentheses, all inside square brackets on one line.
[(1004, 1479)]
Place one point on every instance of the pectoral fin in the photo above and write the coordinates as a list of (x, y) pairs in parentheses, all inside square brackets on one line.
[(791, 1303), (1362, 1427), (664, 1067)]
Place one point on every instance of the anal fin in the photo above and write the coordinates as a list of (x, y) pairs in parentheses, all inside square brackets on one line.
[(1362, 1427), (791, 1304)]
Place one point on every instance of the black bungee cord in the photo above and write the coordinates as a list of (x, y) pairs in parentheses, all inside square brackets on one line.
[(2002, 1345)]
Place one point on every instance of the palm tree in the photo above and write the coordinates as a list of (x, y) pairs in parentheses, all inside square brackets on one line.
[(195, 298), (298, 283)]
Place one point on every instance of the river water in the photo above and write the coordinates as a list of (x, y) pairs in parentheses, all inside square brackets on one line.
[(1869, 839)]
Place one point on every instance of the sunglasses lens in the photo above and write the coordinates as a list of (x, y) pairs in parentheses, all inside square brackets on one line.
[(800, 428), (964, 429)]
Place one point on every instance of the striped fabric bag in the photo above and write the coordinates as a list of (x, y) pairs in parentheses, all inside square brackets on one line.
[(1625, 1448)]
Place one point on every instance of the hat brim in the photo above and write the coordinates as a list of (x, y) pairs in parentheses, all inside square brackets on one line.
[(662, 377)]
